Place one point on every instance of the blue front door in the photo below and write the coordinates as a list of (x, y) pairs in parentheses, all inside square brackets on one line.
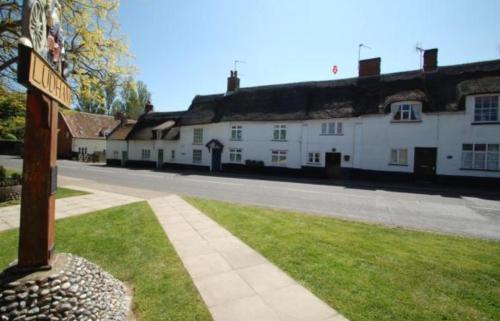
[(216, 159)]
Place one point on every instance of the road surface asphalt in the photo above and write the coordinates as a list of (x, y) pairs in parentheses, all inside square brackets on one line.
[(463, 213)]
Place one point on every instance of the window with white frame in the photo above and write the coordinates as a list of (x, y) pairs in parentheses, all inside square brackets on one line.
[(314, 158), (486, 108), (172, 154), (279, 132), (480, 156), (407, 112), (82, 150), (235, 155), (145, 154), (340, 128), (332, 128), (236, 132), (115, 154), (279, 157), (198, 136), (399, 156), (197, 156)]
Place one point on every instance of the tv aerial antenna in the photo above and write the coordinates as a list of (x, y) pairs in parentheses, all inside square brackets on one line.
[(420, 51), (237, 62), (361, 46)]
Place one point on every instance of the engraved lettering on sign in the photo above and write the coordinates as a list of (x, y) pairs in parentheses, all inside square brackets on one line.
[(44, 78)]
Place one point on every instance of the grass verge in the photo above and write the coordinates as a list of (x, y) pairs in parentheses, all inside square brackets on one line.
[(129, 243), (61, 193), (370, 272)]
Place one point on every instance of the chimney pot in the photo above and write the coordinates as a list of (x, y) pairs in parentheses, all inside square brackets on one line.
[(430, 60), (233, 82), (369, 67), (148, 108)]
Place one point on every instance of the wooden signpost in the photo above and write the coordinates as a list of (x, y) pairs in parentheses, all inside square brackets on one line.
[(41, 52)]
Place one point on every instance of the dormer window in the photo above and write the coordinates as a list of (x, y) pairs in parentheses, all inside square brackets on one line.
[(407, 112), (486, 108)]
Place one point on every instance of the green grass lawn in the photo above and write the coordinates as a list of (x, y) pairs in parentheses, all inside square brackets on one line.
[(370, 272), (61, 193), (129, 243)]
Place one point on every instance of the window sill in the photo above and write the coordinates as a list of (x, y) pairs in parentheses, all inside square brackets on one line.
[(485, 123), (197, 144), (279, 140), (479, 170), (405, 121), (314, 164), (235, 140), (404, 165), (331, 134)]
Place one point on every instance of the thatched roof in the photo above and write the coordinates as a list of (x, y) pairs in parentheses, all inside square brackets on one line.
[(143, 129), (90, 126), (439, 91), (121, 132)]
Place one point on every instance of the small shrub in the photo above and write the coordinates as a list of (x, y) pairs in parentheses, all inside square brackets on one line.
[(17, 178), (3, 173)]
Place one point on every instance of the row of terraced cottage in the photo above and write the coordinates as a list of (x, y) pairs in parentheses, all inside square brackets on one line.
[(434, 123)]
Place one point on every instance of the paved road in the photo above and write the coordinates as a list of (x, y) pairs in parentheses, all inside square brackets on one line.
[(465, 215)]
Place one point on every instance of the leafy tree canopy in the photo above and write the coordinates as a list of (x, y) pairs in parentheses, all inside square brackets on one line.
[(12, 114), (96, 51)]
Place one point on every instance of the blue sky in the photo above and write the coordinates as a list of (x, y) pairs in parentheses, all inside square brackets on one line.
[(185, 48)]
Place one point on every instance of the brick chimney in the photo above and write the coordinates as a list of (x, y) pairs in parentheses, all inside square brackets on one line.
[(148, 108), (430, 60), (121, 117), (369, 67), (233, 82)]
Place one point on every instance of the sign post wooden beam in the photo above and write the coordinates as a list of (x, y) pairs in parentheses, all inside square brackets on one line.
[(40, 69), (36, 234)]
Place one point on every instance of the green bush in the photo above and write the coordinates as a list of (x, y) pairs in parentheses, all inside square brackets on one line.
[(16, 177), (3, 173)]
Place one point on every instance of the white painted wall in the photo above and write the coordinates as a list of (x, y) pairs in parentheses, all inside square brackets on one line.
[(367, 140), (113, 146), (93, 145)]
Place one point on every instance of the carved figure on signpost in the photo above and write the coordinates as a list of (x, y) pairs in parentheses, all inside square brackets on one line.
[(55, 38), (42, 30)]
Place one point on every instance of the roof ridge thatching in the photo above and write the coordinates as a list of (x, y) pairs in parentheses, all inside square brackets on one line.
[(342, 98)]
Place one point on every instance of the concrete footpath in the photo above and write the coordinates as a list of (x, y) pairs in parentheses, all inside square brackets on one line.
[(70, 206), (236, 282)]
